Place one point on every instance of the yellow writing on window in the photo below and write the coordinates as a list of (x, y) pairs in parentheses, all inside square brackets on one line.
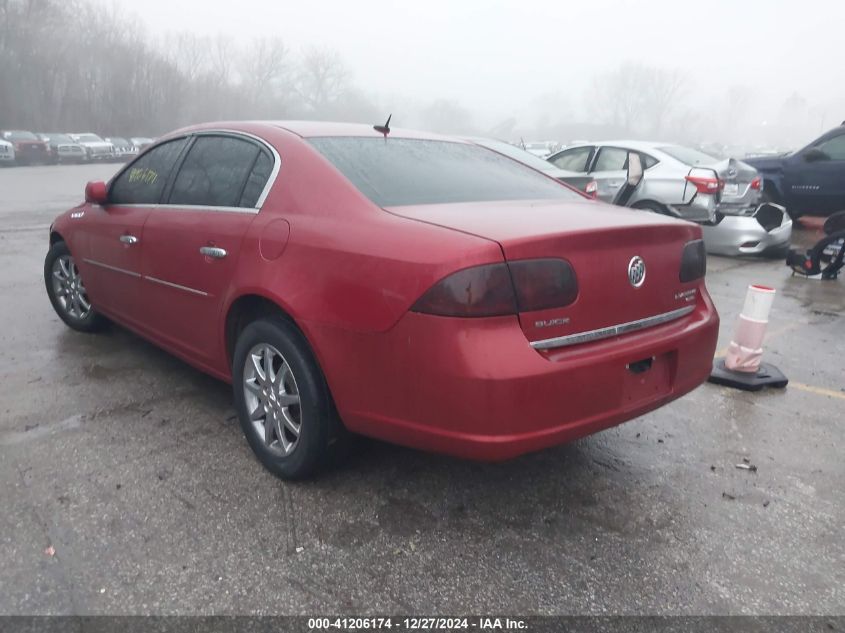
[(143, 175)]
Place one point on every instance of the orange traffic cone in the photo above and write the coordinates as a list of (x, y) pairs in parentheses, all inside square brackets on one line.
[(742, 367)]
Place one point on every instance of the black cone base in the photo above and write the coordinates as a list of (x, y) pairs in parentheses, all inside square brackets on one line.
[(766, 376)]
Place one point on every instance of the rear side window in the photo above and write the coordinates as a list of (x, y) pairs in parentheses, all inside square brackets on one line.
[(214, 172), (257, 180), (648, 161), (144, 180), (574, 159), (399, 171)]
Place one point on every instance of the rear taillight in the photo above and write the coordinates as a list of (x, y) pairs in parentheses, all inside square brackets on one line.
[(592, 188), (705, 185), (501, 289), (756, 183), (543, 283), (693, 261), (482, 291)]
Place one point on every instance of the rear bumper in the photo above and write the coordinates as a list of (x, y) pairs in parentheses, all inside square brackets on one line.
[(476, 388), (743, 235)]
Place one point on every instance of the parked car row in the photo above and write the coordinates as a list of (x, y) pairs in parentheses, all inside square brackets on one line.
[(21, 147)]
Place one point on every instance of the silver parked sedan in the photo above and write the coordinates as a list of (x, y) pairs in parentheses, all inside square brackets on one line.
[(722, 195)]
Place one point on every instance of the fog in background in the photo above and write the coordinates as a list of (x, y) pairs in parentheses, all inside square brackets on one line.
[(750, 74)]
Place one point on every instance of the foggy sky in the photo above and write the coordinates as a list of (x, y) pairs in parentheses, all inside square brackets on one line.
[(497, 57)]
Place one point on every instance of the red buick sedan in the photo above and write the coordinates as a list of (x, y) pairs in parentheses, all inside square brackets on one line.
[(407, 286)]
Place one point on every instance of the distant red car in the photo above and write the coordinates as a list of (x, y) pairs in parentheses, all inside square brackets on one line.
[(409, 287), (28, 147)]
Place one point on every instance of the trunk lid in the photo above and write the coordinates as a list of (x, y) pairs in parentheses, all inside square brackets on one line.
[(598, 240), (737, 177)]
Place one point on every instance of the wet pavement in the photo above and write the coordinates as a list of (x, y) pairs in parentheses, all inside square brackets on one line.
[(132, 467)]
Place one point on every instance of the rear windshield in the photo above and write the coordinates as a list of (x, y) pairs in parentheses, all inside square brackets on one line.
[(398, 172), (688, 156), (517, 153), (89, 138)]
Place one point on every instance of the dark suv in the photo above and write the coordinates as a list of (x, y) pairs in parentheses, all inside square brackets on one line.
[(811, 180)]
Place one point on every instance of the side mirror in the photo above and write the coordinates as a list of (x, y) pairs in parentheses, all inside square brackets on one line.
[(96, 192), (815, 154), (635, 169)]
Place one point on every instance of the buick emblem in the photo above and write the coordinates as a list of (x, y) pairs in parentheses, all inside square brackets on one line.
[(636, 271)]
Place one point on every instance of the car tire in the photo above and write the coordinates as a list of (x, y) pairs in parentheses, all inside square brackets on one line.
[(305, 433), (67, 292)]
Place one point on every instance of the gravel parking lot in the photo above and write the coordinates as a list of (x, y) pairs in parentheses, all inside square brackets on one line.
[(132, 467)]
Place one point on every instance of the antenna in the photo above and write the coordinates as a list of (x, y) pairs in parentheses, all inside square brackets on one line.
[(384, 129)]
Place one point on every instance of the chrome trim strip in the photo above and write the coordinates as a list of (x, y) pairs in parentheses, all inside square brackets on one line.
[(613, 330), (177, 286), (113, 268), (189, 207)]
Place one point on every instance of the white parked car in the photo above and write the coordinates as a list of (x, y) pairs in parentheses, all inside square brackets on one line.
[(7, 153), (62, 148), (95, 147), (123, 150), (141, 142)]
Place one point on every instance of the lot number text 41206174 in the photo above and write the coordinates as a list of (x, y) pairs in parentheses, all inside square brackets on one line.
[(416, 624)]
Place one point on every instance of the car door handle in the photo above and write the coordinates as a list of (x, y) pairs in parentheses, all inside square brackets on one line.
[(614, 184), (129, 239), (213, 251)]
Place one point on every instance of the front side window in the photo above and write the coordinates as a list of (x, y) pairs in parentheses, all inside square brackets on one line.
[(401, 171), (574, 159), (143, 181), (612, 159), (214, 172), (834, 147)]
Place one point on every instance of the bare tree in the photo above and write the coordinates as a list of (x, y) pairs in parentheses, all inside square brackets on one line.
[(263, 72), (636, 97), (322, 80), (447, 117)]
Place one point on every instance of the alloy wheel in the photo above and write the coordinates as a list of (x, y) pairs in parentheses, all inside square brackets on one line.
[(69, 289), (272, 399)]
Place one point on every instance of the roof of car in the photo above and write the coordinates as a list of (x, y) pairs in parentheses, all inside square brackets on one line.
[(642, 146), (311, 129)]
